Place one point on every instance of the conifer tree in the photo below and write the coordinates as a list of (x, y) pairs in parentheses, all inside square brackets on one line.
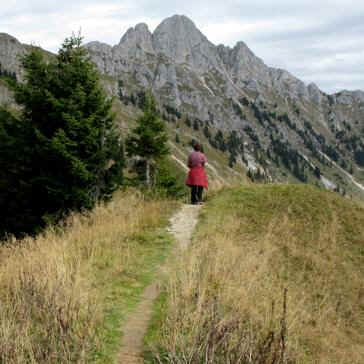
[(148, 140), (232, 159), (195, 125), (206, 132), (15, 189), (68, 142)]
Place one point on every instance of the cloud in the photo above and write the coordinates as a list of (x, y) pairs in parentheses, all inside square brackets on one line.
[(317, 41)]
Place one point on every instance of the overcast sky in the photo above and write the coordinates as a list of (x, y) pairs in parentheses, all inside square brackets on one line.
[(319, 41)]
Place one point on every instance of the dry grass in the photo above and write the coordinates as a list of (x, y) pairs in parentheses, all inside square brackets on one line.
[(226, 296), (56, 290)]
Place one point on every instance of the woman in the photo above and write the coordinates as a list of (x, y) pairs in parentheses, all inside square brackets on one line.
[(196, 178)]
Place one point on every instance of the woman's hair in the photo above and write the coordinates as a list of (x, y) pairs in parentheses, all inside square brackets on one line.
[(197, 147)]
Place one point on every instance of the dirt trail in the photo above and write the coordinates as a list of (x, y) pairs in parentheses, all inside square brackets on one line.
[(182, 226)]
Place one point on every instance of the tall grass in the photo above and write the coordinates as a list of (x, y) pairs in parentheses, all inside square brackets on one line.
[(274, 275), (56, 290)]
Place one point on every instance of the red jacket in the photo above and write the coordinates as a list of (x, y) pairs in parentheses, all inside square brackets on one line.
[(197, 175)]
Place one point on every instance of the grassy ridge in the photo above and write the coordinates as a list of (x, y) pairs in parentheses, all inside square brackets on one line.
[(64, 295), (274, 275)]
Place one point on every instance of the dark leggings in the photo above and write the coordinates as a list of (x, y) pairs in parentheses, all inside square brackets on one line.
[(196, 194)]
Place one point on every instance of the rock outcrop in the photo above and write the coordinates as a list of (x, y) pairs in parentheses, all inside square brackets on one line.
[(10, 52)]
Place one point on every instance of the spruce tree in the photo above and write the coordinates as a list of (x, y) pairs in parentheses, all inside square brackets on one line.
[(232, 159), (68, 150), (15, 190), (196, 125), (148, 140), (206, 132)]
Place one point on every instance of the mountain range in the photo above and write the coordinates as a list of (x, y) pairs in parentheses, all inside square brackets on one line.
[(263, 119)]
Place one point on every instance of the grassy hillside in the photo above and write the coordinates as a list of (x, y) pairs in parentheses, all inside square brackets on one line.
[(64, 295), (274, 275)]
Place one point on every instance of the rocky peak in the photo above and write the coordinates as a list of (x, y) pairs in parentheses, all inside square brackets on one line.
[(142, 28), (242, 55), (135, 41), (246, 69), (243, 49), (99, 47), (7, 38), (287, 85), (177, 37), (349, 97), (358, 95), (315, 94)]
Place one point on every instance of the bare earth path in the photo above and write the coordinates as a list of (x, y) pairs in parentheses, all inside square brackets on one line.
[(182, 226)]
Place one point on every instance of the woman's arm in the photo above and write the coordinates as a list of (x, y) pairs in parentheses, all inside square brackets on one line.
[(204, 160)]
